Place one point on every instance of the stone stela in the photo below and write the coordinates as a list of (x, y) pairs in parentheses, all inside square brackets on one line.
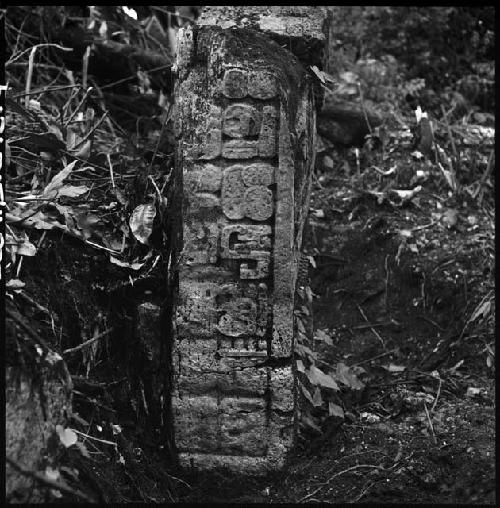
[(238, 127)]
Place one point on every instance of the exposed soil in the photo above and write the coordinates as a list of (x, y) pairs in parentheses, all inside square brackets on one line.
[(423, 428)]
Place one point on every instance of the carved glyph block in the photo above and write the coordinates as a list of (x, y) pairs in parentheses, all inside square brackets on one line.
[(239, 83)]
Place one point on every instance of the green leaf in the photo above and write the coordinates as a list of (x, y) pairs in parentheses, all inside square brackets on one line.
[(72, 191), (56, 182), (26, 248), (141, 222), (83, 449), (309, 294), (323, 336), (335, 410), (312, 261), (347, 377), (305, 352), (394, 368), (52, 474), (124, 264), (300, 366), (308, 421), (306, 393), (300, 326), (317, 398), (15, 284), (481, 310), (67, 437), (318, 378)]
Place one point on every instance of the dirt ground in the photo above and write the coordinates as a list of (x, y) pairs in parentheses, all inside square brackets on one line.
[(397, 305)]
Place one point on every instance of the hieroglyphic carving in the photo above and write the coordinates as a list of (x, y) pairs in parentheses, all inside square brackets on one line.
[(246, 193), (238, 83), (248, 242), (241, 120), (235, 307)]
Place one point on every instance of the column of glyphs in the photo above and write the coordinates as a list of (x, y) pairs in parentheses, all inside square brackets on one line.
[(232, 406)]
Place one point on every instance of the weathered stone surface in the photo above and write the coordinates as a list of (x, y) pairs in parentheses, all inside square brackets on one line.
[(303, 29), (246, 138), (36, 402)]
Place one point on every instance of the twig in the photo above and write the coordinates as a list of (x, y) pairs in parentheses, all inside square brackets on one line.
[(363, 107), (375, 357), (156, 189), (434, 440), (41, 308), (367, 486), (27, 328), (85, 95), (44, 90), (111, 170), (29, 77), (94, 401), (425, 226), (103, 105), (17, 57), (87, 342), (371, 327), (469, 321), (452, 140), (315, 176), (163, 127), (399, 453), (437, 395), (429, 320), (48, 482), (485, 175), (85, 67), (88, 436), (393, 383), (97, 246), (386, 266), (335, 476), (91, 131), (133, 76)]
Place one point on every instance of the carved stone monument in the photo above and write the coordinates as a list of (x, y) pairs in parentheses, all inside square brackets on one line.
[(246, 138)]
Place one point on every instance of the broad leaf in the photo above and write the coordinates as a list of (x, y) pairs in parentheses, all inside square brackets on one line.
[(72, 191), (124, 264), (308, 421), (335, 410), (56, 183), (317, 398), (83, 449), (52, 474), (141, 222), (318, 378), (306, 393), (300, 366), (67, 437), (323, 336), (481, 310), (348, 378)]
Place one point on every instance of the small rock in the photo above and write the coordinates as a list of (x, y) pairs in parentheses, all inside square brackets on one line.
[(450, 217), (327, 162)]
